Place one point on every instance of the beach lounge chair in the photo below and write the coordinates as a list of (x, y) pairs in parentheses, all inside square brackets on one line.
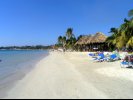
[(91, 54), (127, 62), (113, 57), (100, 57)]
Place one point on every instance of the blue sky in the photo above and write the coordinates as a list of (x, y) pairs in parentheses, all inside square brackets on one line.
[(33, 22)]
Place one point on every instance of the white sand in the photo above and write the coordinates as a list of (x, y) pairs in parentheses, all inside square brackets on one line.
[(74, 75)]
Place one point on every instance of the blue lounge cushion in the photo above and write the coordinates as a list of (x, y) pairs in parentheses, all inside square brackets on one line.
[(125, 63), (113, 56), (91, 54)]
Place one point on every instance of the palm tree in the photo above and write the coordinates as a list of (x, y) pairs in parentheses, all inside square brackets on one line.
[(130, 42), (69, 33), (60, 38), (79, 37), (73, 40), (64, 41), (127, 32), (123, 36), (112, 40), (113, 30)]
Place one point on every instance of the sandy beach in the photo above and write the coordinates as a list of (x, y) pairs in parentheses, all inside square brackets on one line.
[(74, 75)]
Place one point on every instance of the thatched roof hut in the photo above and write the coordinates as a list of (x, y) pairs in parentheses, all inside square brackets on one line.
[(83, 40), (88, 43), (97, 38)]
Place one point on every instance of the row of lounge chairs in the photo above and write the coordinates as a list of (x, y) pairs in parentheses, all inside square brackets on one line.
[(127, 60), (100, 57)]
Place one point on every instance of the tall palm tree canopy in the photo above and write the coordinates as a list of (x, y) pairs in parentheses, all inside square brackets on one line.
[(69, 33), (60, 39), (64, 40), (130, 42), (123, 36)]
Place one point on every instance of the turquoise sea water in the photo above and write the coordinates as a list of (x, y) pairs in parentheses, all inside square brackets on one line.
[(16, 64)]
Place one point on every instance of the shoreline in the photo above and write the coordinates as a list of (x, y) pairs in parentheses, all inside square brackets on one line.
[(9, 82), (74, 75), (54, 82)]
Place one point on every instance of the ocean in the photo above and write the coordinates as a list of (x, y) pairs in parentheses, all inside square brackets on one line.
[(15, 65)]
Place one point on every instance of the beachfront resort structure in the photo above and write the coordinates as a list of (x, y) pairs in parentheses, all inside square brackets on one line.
[(92, 42)]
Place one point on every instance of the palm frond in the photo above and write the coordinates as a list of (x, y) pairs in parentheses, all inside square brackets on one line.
[(130, 42)]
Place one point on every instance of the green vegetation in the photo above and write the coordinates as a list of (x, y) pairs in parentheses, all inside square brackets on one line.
[(38, 47), (68, 41), (122, 37)]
